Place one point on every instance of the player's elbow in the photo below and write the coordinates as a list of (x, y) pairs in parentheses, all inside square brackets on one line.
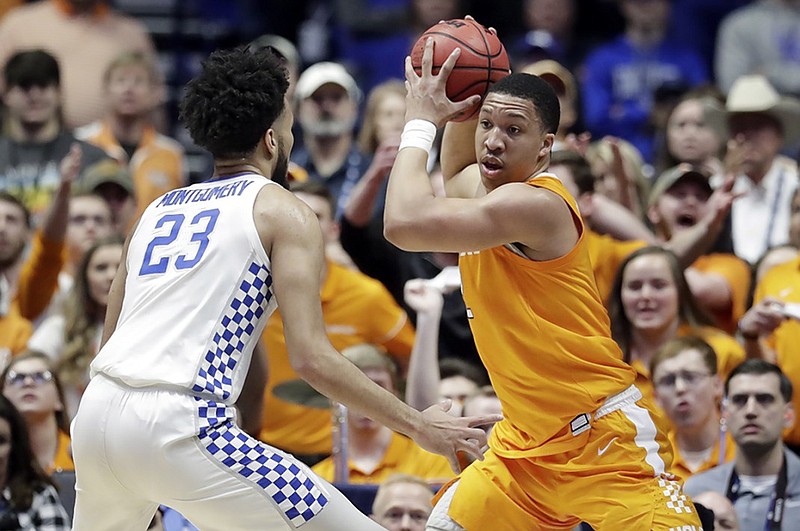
[(401, 233), (307, 364)]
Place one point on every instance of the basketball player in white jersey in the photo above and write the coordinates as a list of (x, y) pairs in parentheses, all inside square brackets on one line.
[(202, 271)]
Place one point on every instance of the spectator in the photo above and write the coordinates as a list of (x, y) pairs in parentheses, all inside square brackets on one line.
[(621, 78), (72, 337), (724, 514), (765, 475), (720, 282), (549, 34), (650, 304), (30, 500), (356, 309), (327, 99), (481, 401), (288, 51), (35, 139), (689, 390), (403, 503), (374, 451), (774, 52), (760, 123), (31, 384), (84, 36), (133, 91), (563, 82), (114, 184)]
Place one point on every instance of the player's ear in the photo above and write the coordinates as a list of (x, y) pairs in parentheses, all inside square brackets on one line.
[(547, 145), (271, 142)]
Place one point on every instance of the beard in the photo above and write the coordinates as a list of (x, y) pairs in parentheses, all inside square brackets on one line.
[(328, 127), (281, 172), (11, 257)]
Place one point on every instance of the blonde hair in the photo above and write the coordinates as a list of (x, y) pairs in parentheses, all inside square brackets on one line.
[(368, 136)]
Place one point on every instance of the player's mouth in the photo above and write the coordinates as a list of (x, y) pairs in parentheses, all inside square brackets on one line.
[(491, 166)]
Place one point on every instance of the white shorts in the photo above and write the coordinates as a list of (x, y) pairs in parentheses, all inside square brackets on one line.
[(137, 448)]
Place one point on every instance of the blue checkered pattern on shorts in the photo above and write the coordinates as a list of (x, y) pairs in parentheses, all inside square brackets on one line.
[(233, 331), (292, 490)]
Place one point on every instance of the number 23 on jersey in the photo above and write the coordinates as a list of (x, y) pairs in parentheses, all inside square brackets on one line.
[(192, 237)]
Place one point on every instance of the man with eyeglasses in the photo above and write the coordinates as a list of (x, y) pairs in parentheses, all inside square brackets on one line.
[(689, 390), (763, 481)]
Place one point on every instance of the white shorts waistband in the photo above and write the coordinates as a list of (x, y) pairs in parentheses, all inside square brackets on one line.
[(618, 401)]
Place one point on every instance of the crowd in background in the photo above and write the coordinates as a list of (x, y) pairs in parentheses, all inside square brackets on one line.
[(663, 103)]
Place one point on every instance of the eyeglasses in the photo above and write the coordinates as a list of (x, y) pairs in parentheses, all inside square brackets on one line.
[(689, 377), (18, 378), (740, 400)]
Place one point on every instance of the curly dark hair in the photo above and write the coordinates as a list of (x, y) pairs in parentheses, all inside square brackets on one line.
[(236, 98)]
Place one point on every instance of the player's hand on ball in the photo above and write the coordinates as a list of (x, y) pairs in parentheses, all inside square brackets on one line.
[(426, 97)]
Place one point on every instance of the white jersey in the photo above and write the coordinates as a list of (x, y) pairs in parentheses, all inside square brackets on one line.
[(198, 292)]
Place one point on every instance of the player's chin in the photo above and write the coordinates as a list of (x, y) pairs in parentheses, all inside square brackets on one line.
[(491, 173)]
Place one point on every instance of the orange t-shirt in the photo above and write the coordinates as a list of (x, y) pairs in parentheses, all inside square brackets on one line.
[(737, 275), (681, 469), (544, 336), (356, 309)]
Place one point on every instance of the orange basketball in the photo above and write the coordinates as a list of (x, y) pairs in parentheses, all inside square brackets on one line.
[(483, 58)]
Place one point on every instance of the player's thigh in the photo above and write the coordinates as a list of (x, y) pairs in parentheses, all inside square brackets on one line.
[(112, 510)]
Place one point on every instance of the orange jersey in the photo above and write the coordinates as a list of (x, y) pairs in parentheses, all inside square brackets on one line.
[(724, 450), (544, 336)]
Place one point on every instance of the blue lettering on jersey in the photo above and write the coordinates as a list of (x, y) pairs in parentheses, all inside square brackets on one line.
[(197, 195)]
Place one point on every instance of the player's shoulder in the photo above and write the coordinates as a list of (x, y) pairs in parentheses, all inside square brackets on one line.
[(280, 208)]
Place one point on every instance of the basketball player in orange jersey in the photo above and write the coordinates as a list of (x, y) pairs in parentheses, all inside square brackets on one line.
[(577, 442)]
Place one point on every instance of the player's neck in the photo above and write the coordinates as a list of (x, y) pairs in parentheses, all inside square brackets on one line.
[(759, 463), (225, 168)]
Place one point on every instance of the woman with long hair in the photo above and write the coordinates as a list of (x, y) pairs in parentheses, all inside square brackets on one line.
[(32, 385), (29, 499), (71, 338), (650, 304)]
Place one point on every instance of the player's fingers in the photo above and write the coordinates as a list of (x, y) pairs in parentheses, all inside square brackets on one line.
[(427, 57), (484, 420), (449, 63), (452, 458), (473, 449), (410, 74)]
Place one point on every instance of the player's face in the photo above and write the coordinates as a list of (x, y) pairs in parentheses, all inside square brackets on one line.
[(100, 272), (403, 507), (89, 220), (687, 391), (755, 411), (509, 141), (689, 137), (682, 206), (33, 106), (30, 387), (649, 294), (285, 137), (131, 91), (13, 233)]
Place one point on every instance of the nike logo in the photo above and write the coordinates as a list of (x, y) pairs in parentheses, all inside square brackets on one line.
[(601, 451)]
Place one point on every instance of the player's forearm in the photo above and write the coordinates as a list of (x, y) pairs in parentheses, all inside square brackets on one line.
[(453, 156), (335, 377), (408, 197)]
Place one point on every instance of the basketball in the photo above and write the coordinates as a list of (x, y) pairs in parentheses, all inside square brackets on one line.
[(483, 58)]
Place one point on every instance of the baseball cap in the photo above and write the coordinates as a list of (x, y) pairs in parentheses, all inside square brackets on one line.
[(323, 73), (107, 171), (671, 176), (556, 74)]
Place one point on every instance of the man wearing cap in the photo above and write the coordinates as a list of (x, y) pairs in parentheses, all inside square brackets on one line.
[(113, 183), (34, 139), (327, 98), (759, 123), (680, 200)]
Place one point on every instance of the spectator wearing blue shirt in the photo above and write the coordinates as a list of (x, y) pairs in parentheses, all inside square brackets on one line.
[(621, 77)]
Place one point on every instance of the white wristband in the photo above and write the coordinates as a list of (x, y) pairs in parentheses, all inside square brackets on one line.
[(418, 134)]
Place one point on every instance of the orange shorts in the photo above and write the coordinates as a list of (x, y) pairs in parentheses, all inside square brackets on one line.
[(617, 480)]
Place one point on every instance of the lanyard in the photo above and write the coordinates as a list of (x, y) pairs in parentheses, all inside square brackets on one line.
[(776, 503), (774, 210)]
